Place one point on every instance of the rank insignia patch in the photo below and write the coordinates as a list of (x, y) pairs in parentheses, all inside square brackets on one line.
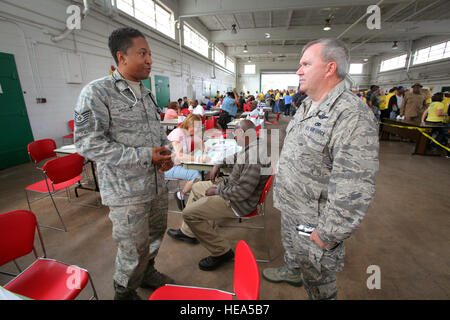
[(82, 118)]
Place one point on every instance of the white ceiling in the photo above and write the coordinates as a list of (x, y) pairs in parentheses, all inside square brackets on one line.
[(292, 23)]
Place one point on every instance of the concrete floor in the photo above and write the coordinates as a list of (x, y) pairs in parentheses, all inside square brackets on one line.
[(405, 233)]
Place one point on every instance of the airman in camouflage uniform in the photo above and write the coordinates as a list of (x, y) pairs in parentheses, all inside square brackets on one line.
[(325, 180), (120, 130)]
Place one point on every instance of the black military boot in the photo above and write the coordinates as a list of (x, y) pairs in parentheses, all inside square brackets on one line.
[(153, 279), (122, 293)]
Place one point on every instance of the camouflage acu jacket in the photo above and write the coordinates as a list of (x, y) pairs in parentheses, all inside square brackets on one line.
[(326, 172), (119, 135)]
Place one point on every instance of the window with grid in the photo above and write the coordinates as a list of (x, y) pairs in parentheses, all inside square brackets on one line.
[(230, 65), (432, 53), (150, 13), (194, 40), (393, 63), (219, 57)]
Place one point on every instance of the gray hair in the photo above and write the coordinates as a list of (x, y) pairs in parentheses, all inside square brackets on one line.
[(334, 50)]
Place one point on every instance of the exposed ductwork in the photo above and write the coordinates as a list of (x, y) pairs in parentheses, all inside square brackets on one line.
[(68, 31)]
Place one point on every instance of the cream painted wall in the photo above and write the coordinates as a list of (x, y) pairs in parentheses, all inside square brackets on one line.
[(24, 32)]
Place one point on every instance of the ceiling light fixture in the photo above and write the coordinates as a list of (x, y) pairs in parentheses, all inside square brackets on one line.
[(233, 29), (365, 59), (327, 26), (395, 46), (245, 49), (267, 35), (249, 59)]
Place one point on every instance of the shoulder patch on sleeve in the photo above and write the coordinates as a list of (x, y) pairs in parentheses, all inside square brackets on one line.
[(82, 118)]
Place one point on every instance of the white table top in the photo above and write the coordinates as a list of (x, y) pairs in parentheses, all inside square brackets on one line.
[(69, 149), (233, 123), (171, 122), (217, 150), (211, 113)]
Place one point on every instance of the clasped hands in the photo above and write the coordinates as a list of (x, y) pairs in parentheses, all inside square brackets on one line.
[(162, 158)]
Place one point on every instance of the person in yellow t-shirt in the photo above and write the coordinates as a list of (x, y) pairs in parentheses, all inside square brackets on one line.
[(446, 102), (434, 115), (277, 101), (384, 103), (435, 112), (384, 111)]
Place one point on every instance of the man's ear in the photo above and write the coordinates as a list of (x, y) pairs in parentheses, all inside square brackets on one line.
[(331, 68)]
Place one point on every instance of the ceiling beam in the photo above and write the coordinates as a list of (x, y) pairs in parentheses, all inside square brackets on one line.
[(289, 19), (196, 8), (368, 49), (220, 22), (253, 20), (407, 29), (236, 22)]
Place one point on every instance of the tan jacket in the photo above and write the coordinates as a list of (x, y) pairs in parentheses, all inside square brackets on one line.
[(413, 105)]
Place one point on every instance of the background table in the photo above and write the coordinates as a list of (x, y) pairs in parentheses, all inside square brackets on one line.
[(413, 134)]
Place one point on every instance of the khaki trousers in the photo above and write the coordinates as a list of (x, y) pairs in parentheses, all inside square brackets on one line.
[(201, 209)]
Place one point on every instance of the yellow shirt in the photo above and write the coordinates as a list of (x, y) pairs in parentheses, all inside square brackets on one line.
[(383, 104), (446, 102), (261, 96), (388, 97), (277, 97), (432, 112)]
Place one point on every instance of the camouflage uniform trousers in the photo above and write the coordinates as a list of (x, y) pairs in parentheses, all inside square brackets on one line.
[(318, 267), (138, 231)]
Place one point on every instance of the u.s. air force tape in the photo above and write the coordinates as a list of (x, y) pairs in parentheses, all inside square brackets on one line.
[(82, 118)]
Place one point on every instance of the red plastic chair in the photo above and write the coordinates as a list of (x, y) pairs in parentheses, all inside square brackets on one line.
[(278, 118), (203, 119), (259, 211), (258, 129), (210, 129), (210, 124), (61, 173), (41, 149), (71, 124), (245, 284), (44, 279)]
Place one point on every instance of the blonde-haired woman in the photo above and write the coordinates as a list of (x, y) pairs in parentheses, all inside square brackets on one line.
[(182, 138)]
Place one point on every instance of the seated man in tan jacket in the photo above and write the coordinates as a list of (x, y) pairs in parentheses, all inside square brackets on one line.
[(228, 197)]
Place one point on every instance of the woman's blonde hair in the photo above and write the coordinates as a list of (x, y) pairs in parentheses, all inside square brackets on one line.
[(189, 121)]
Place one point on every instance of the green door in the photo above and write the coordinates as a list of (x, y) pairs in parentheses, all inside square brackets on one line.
[(162, 88), (15, 131), (147, 83)]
